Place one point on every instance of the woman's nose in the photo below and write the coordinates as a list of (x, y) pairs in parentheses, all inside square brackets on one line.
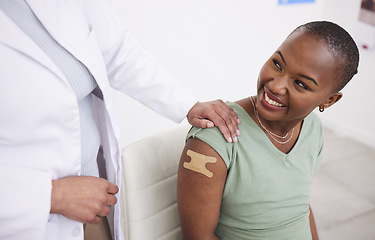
[(278, 86)]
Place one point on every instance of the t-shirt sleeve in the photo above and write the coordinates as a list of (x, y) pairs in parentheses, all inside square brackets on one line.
[(214, 138)]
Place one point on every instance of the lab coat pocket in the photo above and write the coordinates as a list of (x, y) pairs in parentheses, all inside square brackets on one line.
[(91, 37), (96, 63)]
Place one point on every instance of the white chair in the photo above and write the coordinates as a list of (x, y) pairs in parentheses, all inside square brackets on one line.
[(149, 186)]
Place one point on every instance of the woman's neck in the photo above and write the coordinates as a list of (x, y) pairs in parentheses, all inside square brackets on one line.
[(283, 135)]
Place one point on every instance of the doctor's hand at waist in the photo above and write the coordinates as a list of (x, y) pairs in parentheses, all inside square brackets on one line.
[(83, 198)]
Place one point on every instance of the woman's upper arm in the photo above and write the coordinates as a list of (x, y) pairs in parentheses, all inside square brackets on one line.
[(201, 179)]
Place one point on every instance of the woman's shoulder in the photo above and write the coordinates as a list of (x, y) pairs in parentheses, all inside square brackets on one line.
[(313, 128), (207, 135), (313, 121), (214, 132)]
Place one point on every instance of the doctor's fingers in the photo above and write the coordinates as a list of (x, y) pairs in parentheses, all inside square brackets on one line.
[(104, 211), (92, 219), (111, 200), (112, 188), (226, 120), (95, 213)]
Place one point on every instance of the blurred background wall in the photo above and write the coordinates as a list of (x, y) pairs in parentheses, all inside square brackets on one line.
[(217, 47)]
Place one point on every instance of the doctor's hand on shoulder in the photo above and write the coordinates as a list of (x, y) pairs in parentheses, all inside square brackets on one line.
[(83, 198), (215, 113)]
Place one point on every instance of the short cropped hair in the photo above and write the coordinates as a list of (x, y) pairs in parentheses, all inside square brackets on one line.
[(340, 44)]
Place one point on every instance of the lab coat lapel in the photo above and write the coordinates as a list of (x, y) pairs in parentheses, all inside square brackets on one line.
[(68, 27), (12, 36), (71, 32)]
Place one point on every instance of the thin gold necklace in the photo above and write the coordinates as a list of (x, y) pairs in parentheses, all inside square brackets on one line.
[(272, 135)]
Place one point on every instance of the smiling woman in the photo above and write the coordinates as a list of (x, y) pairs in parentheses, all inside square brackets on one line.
[(297, 78), (260, 186)]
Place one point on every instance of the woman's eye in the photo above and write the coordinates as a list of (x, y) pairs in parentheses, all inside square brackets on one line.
[(301, 84), (276, 63)]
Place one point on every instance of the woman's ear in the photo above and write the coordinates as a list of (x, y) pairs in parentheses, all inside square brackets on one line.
[(332, 99)]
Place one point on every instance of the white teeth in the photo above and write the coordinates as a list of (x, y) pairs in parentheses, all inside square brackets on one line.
[(272, 102)]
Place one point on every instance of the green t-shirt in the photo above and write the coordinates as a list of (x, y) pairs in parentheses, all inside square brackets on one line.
[(267, 192)]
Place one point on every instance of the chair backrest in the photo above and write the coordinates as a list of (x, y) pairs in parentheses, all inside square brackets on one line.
[(149, 186)]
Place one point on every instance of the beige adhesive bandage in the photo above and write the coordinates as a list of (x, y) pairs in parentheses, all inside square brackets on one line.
[(198, 163)]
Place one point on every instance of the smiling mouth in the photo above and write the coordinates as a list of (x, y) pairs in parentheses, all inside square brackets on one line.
[(272, 102)]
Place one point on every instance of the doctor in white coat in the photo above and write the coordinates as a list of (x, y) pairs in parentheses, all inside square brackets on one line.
[(43, 195)]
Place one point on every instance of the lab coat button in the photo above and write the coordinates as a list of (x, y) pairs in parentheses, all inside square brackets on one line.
[(69, 117), (76, 231)]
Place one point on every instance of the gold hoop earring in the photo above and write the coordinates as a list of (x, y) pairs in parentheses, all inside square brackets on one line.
[(321, 108)]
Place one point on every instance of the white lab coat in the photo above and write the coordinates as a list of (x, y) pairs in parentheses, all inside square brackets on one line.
[(39, 118)]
